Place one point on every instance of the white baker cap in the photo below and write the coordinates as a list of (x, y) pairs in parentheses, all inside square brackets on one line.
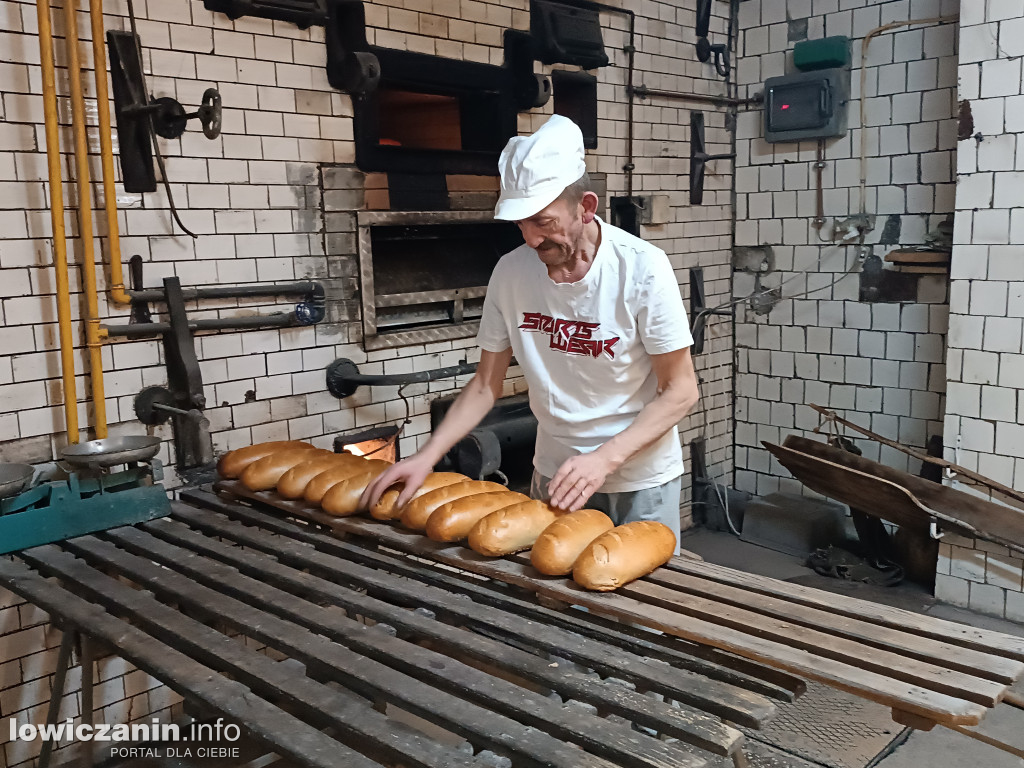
[(536, 169)]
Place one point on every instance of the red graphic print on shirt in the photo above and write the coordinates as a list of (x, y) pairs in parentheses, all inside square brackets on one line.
[(569, 336)]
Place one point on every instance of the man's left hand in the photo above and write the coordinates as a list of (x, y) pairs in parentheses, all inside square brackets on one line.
[(578, 479)]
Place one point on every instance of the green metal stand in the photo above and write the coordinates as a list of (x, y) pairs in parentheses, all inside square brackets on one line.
[(61, 510)]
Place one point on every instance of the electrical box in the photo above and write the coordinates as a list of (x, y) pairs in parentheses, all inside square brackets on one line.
[(806, 105)]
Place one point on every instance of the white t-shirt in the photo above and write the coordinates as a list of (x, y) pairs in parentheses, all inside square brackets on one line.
[(585, 349)]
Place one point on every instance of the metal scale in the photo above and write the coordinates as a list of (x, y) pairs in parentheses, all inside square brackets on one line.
[(91, 498)]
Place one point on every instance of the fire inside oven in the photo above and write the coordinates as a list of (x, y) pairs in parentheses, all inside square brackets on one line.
[(419, 120), (376, 443), (432, 128)]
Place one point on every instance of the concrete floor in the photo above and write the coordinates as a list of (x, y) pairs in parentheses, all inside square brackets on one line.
[(938, 748)]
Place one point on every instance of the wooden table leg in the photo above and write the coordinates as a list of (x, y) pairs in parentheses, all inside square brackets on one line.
[(57, 692)]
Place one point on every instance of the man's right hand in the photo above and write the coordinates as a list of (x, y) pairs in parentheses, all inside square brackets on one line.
[(410, 472), (469, 408)]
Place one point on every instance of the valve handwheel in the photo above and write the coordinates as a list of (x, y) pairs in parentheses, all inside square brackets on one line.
[(210, 113)]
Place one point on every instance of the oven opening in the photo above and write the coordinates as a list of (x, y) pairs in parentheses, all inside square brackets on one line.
[(376, 443), (419, 120), (432, 129), (424, 275), (455, 120)]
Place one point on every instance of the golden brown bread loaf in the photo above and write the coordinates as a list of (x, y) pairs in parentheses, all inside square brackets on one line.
[(293, 482), (511, 529), (454, 520), (263, 474), (385, 508), (232, 463), (416, 513), (342, 499), (624, 553), (558, 546), (320, 484)]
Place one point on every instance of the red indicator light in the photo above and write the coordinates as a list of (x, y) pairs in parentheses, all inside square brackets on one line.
[(785, 106)]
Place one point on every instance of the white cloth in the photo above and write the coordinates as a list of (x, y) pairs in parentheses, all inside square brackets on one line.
[(585, 349)]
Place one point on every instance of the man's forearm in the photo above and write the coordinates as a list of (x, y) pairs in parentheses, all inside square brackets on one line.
[(654, 420), (468, 410)]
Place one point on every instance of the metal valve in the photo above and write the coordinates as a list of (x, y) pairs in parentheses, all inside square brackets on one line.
[(170, 118)]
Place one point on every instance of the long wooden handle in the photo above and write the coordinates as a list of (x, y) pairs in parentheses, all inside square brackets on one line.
[(1003, 490)]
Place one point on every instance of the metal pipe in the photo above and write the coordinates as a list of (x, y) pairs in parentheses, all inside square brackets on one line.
[(630, 165), (93, 336), (207, 324), (704, 98), (305, 287), (60, 248), (117, 293), (344, 378)]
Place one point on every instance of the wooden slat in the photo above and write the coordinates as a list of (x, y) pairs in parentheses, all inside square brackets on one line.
[(735, 704), (904, 255), (701, 659), (685, 723), (926, 649), (284, 733), (983, 640), (931, 676), (354, 723), (382, 666), (882, 688)]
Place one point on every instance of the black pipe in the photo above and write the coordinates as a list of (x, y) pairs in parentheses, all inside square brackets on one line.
[(722, 101), (629, 166), (305, 288), (343, 377), (281, 320)]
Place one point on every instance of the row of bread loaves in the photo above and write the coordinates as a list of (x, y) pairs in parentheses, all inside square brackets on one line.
[(450, 507)]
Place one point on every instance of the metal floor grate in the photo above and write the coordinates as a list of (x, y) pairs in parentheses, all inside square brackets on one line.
[(831, 728)]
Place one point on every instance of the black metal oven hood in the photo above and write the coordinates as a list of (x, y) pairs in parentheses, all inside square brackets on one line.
[(473, 106)]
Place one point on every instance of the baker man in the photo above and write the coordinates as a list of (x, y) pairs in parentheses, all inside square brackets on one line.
[(594, 318)]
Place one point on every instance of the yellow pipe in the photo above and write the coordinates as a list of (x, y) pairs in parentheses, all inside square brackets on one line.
[(93, 339), (99, 55), (60, 248)]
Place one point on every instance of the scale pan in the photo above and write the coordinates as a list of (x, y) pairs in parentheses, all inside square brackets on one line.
[(14, 478), (111, 451)]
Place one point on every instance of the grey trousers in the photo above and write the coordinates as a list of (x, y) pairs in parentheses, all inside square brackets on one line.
[(660, 503)]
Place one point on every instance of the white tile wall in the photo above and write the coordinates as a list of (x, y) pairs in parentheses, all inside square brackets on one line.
[(986, 389), (882, 363), (254, 197)]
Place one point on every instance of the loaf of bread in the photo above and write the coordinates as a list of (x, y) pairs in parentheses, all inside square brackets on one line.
[(454, 520), (622, 554), (511, 529), (385, 508), (557, 547), (263, 474), (416, 513), (232, 463), (293, 482), (342, 499), (320, 484)]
